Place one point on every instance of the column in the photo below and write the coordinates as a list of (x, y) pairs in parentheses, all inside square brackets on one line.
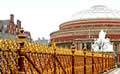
[(80, 45), (85, 45), (91, 45), (113, 46), (66, 46), (77, 45)]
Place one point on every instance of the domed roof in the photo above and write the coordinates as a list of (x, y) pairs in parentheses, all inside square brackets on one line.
[(98, 11)]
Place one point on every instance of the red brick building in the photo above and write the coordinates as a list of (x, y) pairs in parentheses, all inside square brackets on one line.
[(12, 28), (84, 28), (9, 29)]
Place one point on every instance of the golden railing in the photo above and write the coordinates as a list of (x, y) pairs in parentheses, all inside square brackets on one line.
[(8, 57), (43, 59)]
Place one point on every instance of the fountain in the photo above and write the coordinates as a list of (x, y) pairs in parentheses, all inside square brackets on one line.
[(102, 44)]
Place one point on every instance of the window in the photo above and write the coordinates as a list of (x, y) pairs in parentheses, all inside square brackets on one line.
[(82, 45), (88, 46), (115, 47)]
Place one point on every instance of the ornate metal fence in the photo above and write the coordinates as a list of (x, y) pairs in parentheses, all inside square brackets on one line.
[(35, 58)]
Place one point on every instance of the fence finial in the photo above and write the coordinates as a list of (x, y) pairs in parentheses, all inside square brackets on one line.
[(53, 44)]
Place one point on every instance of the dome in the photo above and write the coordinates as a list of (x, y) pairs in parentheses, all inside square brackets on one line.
[(98, 11)]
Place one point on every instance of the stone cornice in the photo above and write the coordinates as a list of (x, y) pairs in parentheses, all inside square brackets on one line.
[(84, 32), (84, 38), (88, 20), (91, 26)]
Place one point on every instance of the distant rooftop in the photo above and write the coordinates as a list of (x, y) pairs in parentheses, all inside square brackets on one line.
[(4, 22)]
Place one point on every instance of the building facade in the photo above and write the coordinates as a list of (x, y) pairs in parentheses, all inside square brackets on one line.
[(84, 27), (9, 30), (42, 41)]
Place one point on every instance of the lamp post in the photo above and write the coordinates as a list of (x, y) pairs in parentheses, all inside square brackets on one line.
[(21, 37)]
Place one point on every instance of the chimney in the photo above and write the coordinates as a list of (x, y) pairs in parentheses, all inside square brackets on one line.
[(18, 25), (17, 22), (12, 18)]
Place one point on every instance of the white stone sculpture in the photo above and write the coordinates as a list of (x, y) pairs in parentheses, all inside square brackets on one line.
[(102, 44)]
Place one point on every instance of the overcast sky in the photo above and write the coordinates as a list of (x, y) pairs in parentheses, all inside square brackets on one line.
[(41, 17)]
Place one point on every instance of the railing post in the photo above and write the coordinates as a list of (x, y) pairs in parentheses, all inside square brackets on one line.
[(1, 58), (92, 61), (54, 61), (111, 62), (84, 50), (21, 60), (108, 62), (105, 63), (8, 68), (21, 51), (54, 55), (102, 63), (114, 62), (73, 63)]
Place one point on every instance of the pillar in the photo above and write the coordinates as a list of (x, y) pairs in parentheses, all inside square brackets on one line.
[(92, 44), (80, 45), (113, 46), (85, 45), (66, 46), (77, 45)]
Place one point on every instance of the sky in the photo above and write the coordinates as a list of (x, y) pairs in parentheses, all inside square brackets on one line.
[(42, 17)]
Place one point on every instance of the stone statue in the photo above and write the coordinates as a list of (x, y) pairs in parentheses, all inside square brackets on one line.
[(102, 44)]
